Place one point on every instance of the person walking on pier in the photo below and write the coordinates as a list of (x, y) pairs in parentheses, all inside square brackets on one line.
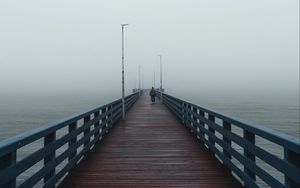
[(152, 94)]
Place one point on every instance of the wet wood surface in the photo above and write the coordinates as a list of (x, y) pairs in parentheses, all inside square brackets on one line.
[(151, 148)]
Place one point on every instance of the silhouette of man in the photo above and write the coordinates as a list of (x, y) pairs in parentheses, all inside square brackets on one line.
[(152, 94)]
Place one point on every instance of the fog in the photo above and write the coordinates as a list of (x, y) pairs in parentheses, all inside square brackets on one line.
[(219, 47)]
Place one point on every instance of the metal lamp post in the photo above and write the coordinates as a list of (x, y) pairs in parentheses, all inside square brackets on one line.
[(139, 80), (161, 99), (123, 88)]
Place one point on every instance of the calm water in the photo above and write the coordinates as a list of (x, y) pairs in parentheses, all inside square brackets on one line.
[(278, 111), (19, 114)]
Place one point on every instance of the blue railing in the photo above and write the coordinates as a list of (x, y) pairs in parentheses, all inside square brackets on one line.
[(236, 144), (83, 131)]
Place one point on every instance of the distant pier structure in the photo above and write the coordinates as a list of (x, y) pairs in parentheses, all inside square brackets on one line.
[(174, 144)]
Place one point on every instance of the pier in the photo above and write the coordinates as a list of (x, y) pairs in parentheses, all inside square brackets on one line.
[(149, 149), (174, 144)]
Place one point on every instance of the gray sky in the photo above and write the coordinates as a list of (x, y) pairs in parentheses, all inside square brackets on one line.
[(224, 46)]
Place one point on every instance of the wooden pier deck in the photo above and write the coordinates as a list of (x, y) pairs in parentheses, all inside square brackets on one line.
[(151, 148)]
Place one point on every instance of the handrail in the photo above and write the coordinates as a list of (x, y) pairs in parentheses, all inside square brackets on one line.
[(96, 123), (215, 131)]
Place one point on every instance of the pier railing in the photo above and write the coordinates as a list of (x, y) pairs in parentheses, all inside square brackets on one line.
[(82, 132), (240, 152)]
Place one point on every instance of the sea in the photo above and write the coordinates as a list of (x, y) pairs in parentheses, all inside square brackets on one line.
[(23, 112)]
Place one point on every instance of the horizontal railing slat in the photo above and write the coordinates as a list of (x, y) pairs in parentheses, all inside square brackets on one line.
[(41, 173), (228, 162), (103, 119), (32, 159), (279, 164), (195, 117), (247, 163), (270, 134), (21, 140)]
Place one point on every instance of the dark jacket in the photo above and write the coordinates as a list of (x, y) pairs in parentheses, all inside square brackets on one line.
[(152, 93)]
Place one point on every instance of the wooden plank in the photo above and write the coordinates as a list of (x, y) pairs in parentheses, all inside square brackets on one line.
[(151, 148)]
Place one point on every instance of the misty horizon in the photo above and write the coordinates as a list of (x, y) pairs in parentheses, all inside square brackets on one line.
[(244, 48)]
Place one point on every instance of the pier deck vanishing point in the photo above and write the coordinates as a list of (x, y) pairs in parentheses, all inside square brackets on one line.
[(151, 148)]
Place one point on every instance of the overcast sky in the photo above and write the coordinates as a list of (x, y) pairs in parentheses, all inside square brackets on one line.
[(207, 45)]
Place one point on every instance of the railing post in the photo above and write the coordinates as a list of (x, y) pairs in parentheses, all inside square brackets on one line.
[(103, 111), (48, 139), (293, 158), (183, 112), (227, 126), (86, 131), (109, 116), (96, 125), (195, 122), (189, 117), (201, 113), (6, 161), (113, 112), (250, 137), (210, 129), (72, 128)]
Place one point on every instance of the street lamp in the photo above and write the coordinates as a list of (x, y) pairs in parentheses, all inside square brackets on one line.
[(154, 79), (139, 80), (123, 89), (160, 57)]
